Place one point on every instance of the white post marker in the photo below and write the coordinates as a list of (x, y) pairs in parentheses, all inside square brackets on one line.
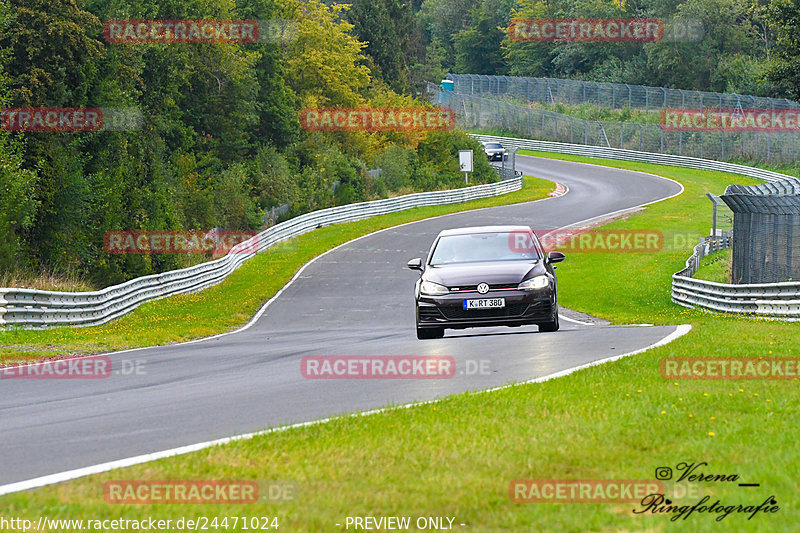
[(465, 163)]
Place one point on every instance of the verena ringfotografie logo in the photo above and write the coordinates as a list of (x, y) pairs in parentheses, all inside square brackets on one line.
[(198, 492), (730, 368), (377, 367), (586, 30), (70, 119), (692, 475), (217, 242), (377, 119), (582, 240), (95, 367), (582, 490), (730, 120)]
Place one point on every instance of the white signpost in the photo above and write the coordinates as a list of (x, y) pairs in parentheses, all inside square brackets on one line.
[(465, 163)]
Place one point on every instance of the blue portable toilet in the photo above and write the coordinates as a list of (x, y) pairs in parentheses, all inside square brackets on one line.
[(448, 85)]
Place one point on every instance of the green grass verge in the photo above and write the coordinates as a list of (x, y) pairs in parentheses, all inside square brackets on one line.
[(231, 303), (644, 278), (457, 457), (716, 267)]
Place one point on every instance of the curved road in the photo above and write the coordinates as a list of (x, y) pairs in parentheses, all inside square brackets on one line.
[(355, 300)]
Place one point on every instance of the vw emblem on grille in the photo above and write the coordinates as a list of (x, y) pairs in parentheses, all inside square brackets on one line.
[(483, 288)]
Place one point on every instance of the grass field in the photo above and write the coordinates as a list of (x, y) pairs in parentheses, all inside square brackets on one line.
[(716, 267), (457, 457)]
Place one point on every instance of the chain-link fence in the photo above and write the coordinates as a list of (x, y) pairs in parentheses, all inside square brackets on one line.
[(766, 231), (721, 216), (475, 112), (605, 94)]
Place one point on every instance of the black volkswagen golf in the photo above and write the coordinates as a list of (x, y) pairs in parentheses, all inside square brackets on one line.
[(486, 276)]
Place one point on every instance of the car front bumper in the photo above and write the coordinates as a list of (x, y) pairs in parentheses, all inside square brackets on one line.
[(521, 308)]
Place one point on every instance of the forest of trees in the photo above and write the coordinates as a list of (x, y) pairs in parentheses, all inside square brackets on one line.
[(221, 141)]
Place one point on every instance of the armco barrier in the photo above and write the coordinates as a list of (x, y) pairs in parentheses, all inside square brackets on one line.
[(35, 309), (633, 155), (776, 300)]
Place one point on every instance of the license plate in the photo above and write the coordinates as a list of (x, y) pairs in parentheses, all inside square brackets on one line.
[(486, 303)]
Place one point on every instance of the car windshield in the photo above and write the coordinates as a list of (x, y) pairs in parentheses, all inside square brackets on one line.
[(494, 145), (482, 247)]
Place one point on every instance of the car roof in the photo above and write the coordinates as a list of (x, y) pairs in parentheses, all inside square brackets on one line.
[(483, 229)]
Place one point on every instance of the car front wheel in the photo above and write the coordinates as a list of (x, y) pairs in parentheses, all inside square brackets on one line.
[(550, 326)]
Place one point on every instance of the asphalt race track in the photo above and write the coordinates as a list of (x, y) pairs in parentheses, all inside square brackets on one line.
[(355, 300)]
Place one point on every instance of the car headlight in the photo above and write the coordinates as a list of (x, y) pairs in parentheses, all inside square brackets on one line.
[(538, 282), (432, 289)]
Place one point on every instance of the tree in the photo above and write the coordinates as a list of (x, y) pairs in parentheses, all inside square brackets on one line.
[(441, 20), (478, 48), (784, 67), (386, 27), (17, 203), (324, 62)]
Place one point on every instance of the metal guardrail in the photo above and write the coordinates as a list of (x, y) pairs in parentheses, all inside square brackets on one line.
[(633, 155), (777, 300), (35, 309)]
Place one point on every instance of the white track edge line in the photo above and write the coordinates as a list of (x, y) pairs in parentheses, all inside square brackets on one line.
[(568, 319)]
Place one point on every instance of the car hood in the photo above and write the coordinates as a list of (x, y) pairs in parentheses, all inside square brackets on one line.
[(494, 272)]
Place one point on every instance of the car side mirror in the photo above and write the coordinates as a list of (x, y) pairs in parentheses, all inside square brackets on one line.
[(555, 257), (415, 264)]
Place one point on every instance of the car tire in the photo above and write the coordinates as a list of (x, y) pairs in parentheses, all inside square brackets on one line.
[(550, 326), (429, 333)]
